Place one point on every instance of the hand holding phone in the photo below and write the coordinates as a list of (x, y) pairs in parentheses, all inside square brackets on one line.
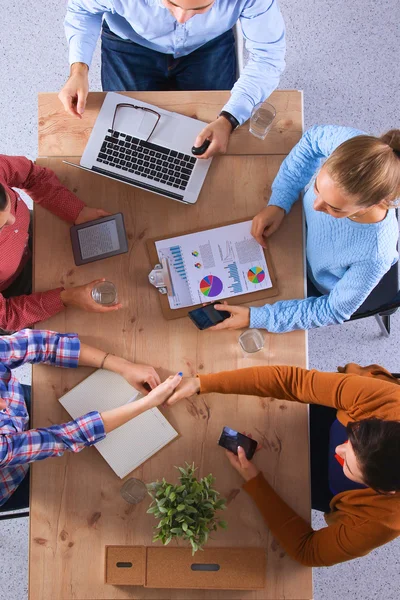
[(208, 316), (231, 439)]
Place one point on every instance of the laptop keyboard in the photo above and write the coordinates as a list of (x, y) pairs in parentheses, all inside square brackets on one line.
[(146, 159)]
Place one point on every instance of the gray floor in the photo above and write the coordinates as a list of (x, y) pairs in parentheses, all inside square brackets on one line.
[(344, 55)]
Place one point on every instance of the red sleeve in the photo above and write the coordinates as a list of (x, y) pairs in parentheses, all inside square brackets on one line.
[(42, 185), (23, 311)]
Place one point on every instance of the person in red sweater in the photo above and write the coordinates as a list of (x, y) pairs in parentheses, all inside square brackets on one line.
[(19, 308)]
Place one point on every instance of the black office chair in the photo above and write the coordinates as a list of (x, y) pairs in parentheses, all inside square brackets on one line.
[(382, 302), (17, 505)]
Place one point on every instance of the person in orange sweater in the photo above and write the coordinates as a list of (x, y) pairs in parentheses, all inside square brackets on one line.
[(362, 447)]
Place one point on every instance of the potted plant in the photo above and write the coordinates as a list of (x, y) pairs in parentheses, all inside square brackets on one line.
[(186, 510)]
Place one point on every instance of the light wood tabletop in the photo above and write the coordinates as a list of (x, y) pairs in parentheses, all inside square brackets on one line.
[(62, 135), (76, 508)]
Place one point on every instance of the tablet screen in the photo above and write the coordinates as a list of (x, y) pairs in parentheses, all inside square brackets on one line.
[(99, 239)]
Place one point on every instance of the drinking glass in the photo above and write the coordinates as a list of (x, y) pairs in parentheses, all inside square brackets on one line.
[(105, 293), (251, 340), (134, 491), (262, 117)]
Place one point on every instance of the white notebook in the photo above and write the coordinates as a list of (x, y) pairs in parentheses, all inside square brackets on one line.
[(127, 447)]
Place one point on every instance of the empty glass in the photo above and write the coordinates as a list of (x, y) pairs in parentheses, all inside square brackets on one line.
[(251, 340), (134, 491), (105, 293), (262, 117)]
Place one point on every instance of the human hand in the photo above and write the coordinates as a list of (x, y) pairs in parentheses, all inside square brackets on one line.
[(240, 317), (74, 93), (266, 223), (139, 375), (90, 214), (81, 297), (218, 133), (244, 467), (187, 388), (162, 392)]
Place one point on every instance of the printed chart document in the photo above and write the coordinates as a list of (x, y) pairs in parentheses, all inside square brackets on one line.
[(210, 265), (98, 239), (130, 445)]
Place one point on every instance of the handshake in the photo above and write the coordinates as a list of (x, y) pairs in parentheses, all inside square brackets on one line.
[(172, 390)]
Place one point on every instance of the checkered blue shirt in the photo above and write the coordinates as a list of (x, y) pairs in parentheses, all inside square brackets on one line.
[(18, 444)]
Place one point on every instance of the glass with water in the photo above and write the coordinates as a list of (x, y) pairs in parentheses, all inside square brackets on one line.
[(134, 491), (105, 293), (262, 117), (251, 340)]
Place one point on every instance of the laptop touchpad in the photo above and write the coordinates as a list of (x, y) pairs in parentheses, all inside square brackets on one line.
[(129, 120), (139, 123), (165, 131)]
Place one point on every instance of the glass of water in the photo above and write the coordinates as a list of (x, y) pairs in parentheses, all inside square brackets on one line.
[(262, 117), (105, 293), (134, 491), (251, 340)]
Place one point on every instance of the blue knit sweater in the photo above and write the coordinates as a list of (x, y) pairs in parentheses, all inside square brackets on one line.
[(345, 259)]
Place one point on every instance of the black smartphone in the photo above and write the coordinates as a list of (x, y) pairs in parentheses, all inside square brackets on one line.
[(231, 439), (207, 316)]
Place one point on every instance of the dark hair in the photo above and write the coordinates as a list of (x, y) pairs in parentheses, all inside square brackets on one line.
[(3, 198), (376, 445)]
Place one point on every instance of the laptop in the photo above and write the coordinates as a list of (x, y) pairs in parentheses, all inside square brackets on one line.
[(147, 147)]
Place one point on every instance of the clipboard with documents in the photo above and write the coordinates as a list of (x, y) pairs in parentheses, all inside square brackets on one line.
[(209, 265)]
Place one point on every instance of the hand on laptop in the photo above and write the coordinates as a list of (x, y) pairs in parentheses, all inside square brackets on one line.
[(74, 93), (81, 297), (266, 222), (218, 133), (90, 214)]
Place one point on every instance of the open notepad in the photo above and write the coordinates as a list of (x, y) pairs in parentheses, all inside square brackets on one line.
[(127, 447)]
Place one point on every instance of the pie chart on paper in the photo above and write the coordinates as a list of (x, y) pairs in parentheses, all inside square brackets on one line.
[(256, 275), (211, 286)]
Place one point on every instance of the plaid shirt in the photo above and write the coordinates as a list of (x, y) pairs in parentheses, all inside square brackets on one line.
[(18, 444)]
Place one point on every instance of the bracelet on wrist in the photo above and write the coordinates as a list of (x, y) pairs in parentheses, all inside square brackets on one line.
[(232, 120), (104, 360)]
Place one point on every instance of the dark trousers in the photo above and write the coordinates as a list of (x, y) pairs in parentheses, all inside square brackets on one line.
[(128, 66), (20, 498), (321, 419)]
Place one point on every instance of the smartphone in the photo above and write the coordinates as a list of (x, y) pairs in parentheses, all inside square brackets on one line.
[(231, 439), (207, 316)]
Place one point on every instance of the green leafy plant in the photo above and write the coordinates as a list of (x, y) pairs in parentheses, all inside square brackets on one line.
[(186, 510)]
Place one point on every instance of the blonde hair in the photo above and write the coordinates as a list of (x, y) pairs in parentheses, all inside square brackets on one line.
[(368, 168)]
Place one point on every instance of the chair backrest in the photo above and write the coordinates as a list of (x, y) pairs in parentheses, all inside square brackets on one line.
[(7, 514), (237, 30)]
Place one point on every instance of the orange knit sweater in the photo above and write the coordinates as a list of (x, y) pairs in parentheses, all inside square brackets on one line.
[(359, 520)]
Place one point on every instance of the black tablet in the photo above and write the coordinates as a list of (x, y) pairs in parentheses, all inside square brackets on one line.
[(98, 239)]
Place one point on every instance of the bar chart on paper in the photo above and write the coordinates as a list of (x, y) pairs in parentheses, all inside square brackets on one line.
[(233, 274), (177, 261), (179, 279)]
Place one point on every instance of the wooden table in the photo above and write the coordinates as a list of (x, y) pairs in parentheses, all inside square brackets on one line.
[(76, 509)]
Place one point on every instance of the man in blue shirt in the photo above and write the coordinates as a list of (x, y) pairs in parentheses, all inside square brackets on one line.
[(182, 45)]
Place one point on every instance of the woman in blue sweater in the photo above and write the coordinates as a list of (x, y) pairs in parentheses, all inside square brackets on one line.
[(351, 181)]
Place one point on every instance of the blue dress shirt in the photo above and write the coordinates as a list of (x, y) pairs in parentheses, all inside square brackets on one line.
[(150, 24)]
